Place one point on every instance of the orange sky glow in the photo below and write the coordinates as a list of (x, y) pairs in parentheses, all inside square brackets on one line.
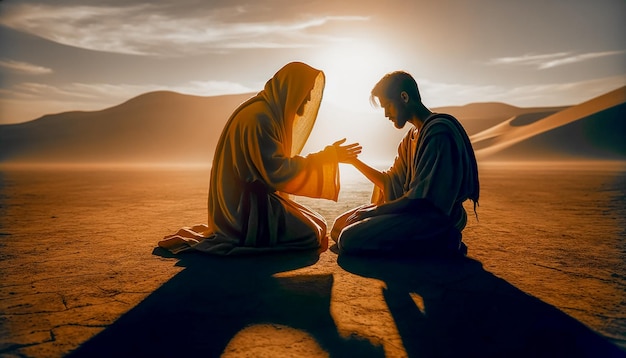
[(66, 55)]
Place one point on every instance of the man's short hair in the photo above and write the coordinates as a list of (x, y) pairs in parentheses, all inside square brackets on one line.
[(392, 84)]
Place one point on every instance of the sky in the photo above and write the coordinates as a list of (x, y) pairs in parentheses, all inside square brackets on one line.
[(64, 55)]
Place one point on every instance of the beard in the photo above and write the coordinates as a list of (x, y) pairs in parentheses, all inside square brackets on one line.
[(402, 117), (398, 124)]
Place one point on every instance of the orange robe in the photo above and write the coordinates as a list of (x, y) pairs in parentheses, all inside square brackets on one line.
[(257, 164)]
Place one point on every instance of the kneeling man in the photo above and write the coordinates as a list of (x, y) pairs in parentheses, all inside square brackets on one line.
[(417, 206)]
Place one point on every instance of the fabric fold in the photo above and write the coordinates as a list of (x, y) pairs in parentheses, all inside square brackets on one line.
[(257, 166)]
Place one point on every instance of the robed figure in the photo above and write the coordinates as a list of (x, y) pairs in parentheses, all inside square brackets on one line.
[(257, 166)]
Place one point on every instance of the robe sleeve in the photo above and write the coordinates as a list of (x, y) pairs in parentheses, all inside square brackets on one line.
[(319, 178), (438, 176), (394, 178), (316, 175)]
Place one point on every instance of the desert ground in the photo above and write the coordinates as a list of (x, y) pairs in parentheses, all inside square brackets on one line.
[(82, 275)]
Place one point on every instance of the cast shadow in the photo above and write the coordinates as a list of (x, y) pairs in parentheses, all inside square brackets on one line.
[(452, 307), (199, 311)]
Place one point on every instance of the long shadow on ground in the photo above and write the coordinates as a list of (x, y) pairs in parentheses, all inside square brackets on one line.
[(454, 308), (199, 311), (441, 307)]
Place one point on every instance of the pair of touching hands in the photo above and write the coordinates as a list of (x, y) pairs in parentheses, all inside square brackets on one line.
[(347, 153)]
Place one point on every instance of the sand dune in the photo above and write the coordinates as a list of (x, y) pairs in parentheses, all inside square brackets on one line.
[(380, 146), (169, 127), (157, 126), (477, 117), (592, 129)]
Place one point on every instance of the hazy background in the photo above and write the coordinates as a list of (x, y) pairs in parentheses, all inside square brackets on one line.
[(132, 82), (67, 55), (145, 81)]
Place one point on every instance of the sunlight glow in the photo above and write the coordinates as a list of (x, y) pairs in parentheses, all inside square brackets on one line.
[(352, 68), (272, 340), (419, 302)]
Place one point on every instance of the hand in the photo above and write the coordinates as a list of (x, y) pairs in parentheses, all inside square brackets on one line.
[(361, 214), (347, 153)]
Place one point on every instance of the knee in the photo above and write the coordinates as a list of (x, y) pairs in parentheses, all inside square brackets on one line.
[(336, 231), (348, 241)]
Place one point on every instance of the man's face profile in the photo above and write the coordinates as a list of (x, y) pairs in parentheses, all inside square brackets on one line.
[(399, 116)]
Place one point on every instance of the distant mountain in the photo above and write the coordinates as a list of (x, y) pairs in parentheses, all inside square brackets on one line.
[(595, 129), (156, 126), (477, 117), (176, 128)]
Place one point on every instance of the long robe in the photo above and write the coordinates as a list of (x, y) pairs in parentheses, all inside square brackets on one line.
[(257, 164), (435, 166)]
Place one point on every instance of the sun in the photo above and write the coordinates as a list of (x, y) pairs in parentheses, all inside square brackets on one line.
[(352, 68)]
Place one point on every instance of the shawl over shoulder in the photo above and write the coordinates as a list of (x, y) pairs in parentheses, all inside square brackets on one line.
[(438, 164)]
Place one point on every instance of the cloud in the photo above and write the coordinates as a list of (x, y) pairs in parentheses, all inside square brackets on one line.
[(120, 92), (546, 61), (24, 67), (578, 58), (212, 88), (438, 94), (157, 29)]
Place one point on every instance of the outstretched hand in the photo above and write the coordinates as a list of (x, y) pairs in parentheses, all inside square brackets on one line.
[(347, 153)]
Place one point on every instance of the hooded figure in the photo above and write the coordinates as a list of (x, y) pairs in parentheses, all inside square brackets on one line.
[(257, 164)]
